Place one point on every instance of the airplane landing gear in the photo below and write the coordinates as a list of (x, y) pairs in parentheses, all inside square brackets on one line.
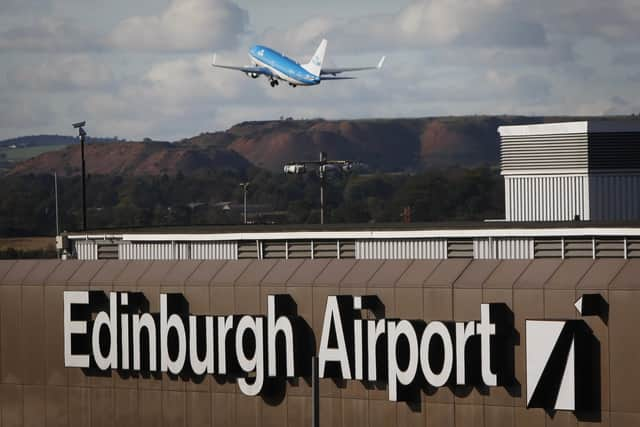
[(274, 83)]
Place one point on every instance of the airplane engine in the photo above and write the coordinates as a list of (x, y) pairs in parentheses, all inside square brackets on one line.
[(253, 75)]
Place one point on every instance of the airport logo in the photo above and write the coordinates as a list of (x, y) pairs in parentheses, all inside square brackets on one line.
[(563, 370)]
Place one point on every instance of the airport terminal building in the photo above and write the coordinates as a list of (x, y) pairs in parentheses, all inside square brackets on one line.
[(530, 321)]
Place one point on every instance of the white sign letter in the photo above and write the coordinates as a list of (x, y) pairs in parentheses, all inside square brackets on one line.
[(72, 327)]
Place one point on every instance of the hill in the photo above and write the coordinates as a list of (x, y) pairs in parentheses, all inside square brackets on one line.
[(134, 159), (382, 144)]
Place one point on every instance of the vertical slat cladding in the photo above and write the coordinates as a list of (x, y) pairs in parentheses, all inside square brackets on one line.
[(615, 197), (514, 248), (214, 250), (86, 249), (483, 249), (547, 198), (401, 249)]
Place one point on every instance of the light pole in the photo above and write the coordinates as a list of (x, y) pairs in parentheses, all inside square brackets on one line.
[(244, 186), (81, 135), (323, 166)]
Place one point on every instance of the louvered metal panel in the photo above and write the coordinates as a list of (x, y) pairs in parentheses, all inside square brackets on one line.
[(248, 249), (401, 249), (514, 248), (86, 249), (347, 249), (300, 249), (460, 248), (544, 152), (609, 247), (578, 247), (547, 248), (274, 249), (214, 250), (633, 247), (325, 249), (107, 249), (547, 198)]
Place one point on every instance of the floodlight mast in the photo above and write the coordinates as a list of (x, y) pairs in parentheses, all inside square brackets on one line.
[(81, 135), (323, 166), (244, 186)]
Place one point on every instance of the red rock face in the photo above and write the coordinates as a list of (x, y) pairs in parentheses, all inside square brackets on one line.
[(133, 158), (382, 144)]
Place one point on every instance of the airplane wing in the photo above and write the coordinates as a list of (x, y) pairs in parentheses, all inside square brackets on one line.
[(246, 69), (334, 71), (323, 78)]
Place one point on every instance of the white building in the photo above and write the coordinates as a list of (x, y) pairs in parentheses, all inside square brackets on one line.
[(562, 171)]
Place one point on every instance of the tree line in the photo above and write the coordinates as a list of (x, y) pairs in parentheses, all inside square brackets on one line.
[(27, 203)]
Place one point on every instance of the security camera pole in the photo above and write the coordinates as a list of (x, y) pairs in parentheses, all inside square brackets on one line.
[(323, 166), (81, 135), (244, 186)]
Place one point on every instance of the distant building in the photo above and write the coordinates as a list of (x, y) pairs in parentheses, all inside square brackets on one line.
[(588, 170)]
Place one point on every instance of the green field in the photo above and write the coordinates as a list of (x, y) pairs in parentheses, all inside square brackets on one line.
[(23, 153)]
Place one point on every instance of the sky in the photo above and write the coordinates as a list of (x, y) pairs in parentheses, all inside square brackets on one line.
[(142, 69)]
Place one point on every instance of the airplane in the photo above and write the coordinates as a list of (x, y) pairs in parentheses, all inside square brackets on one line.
[(276, 67)]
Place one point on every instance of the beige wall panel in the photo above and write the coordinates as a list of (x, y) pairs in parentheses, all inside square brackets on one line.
[(11, 367), (5, 266), (537, 273), (305, 273), (41, 271), (35, 406), (390, 273), (355, 413), (205, 272), (447, 272), (256, 271), (174, 408), (19, 272), (79, 404), (102, 407), (506, 274), (273, 415), (476, 273), (334, 272), (150, 411), (624, 351), (299, 411), (32, 336), (198, 409), (125, 407)]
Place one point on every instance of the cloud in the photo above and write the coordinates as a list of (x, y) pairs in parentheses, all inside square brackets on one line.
[(422, 24), (626, 57), (22, 113), (186, 25), (20, 7), (63, 73), (48, 34)]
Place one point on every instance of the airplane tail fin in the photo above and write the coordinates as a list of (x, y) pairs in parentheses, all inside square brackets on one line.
[(315, 65)]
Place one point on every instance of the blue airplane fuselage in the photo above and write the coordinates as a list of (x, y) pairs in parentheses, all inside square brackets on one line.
[(281, 66)]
